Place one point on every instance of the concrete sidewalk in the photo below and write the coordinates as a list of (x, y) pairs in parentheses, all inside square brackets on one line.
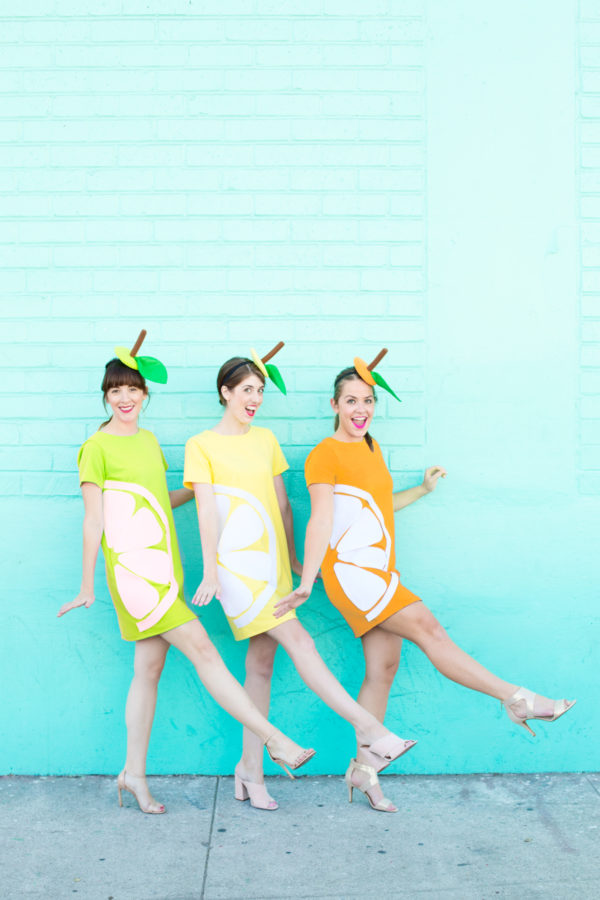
[(478, 837)]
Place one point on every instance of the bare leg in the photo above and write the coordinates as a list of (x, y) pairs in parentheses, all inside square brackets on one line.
[(259, 671), (417, 623), (149, 660), (382, 658), (193, 641), (302, 651)]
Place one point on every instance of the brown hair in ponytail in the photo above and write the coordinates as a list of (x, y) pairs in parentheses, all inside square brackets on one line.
[(349, 374)]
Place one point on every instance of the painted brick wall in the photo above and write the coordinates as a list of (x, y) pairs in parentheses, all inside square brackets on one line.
[(358, 174), (225, 174), (589, 212)]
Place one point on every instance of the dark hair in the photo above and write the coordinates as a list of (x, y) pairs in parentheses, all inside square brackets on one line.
[(350, 374), (233, 372), (116, 374)]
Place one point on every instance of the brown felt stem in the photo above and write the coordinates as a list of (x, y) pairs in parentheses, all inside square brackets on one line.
[(139, 341), (272, 352), (377, 359)]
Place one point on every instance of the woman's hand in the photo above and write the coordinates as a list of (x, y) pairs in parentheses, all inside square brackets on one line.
[(296, 567), (291, 601), (82, 599), (431, 477), (209, 588)]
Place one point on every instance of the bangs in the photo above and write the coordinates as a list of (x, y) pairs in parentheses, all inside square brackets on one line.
[(118, 374)]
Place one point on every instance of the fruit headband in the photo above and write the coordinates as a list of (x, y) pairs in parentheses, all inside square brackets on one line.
[(269, 371), (370, 377), (147, 366)]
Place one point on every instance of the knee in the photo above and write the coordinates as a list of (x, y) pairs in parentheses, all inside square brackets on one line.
[(382, 671), (302, 644), (430, 629), (150, 670), (259, 662)]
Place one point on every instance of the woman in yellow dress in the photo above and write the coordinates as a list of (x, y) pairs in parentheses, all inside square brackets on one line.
[(128, 512), (350, 535), (247, 538)]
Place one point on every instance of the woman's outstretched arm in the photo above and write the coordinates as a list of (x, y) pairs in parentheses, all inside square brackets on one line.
[(430, 479), (318, 532), (93, 526), (207, 522)]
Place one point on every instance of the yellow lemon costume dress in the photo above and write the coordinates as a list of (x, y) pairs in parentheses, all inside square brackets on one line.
[(252, 554), (359, 567), (143, 567)]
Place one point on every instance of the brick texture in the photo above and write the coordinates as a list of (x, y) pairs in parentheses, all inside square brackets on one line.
[(589, 228), (226, 174)]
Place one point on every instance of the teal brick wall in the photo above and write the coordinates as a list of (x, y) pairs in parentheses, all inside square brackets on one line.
[(341, 177)]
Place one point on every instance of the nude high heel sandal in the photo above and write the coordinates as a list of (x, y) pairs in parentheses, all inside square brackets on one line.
[(383, 805), (257, 794), (123, 786), (302, 758), (521, 706)]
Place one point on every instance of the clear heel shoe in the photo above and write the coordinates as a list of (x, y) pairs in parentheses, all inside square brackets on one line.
[(153, 808), (520, 707), (383, 805)]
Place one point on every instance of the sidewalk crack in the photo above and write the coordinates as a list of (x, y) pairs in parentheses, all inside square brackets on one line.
[(210, 834)]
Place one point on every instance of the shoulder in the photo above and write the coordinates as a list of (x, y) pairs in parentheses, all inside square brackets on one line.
[(326, 447), (91, 447), (198, 440)]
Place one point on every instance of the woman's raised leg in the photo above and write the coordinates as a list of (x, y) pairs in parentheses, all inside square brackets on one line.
[(418, 624), (302, 651), (193, 641), (148, 663)]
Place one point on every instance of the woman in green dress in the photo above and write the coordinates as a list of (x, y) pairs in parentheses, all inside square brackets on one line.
[(128, 511)]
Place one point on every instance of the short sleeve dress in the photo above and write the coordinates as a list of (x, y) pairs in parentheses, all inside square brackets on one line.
[(143, 567), (359, 571), (252, 554)]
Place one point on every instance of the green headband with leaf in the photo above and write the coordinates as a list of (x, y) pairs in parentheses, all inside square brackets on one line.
[(370, 377), (269, 370), (147, 366)]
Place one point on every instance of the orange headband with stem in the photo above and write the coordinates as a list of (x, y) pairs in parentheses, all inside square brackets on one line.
[(370, 377)]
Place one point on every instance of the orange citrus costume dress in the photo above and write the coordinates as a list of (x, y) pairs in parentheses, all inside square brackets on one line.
[(359, 567)]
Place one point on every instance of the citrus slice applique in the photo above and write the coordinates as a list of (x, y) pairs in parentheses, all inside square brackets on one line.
[(361, 542), (132, 535), (247, 574)]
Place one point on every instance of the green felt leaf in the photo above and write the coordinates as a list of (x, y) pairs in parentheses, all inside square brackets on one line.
[(275, 376), (152, 369), (380, 380)]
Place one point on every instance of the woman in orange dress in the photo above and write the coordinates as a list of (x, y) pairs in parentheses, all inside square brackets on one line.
[(350, 535)]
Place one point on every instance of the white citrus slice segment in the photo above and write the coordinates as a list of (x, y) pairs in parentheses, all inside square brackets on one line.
[(243, 528), (251, 563), (360, 586), (364, 532), (154, 565), (139, 598), (345, 512), (368, 557), (236, 597), (126, 529)]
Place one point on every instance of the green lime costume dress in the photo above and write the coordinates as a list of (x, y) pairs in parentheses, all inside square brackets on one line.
[(143, 566)]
